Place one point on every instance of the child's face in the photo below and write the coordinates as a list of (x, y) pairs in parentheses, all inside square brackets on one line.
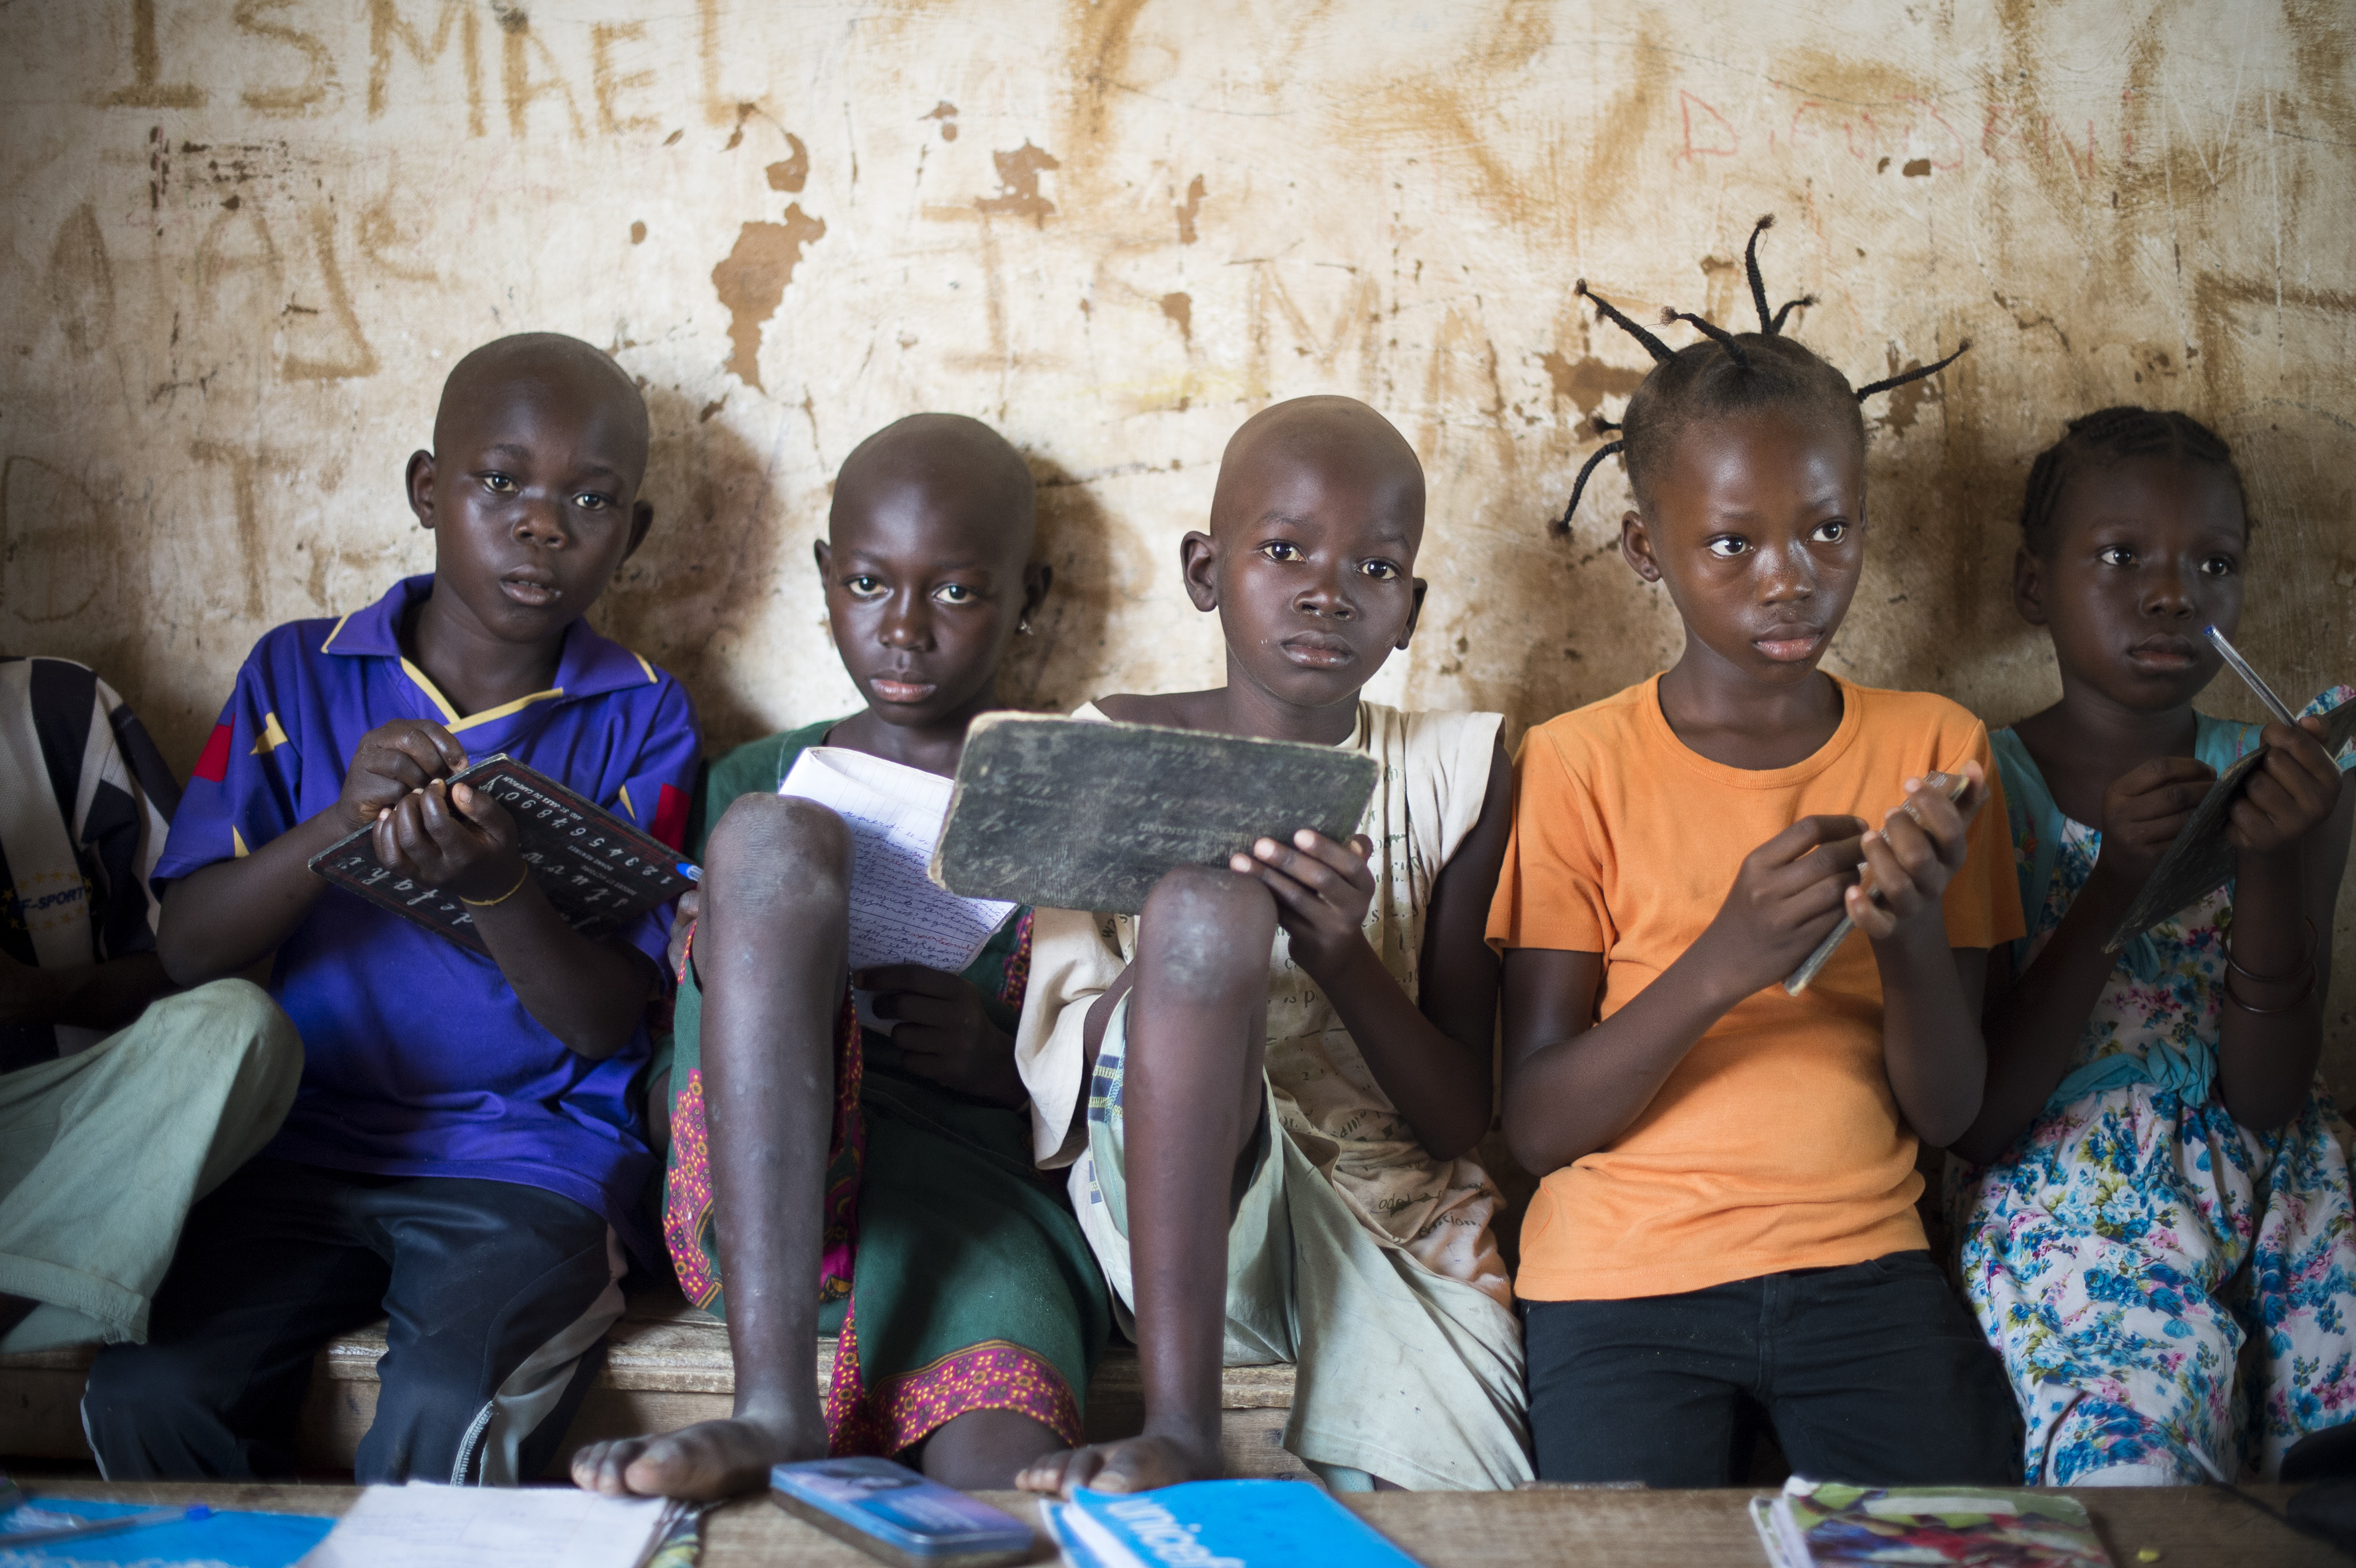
[(2143, 554), (1758, 529), (923, 590), (532, 497), (1310, 565)]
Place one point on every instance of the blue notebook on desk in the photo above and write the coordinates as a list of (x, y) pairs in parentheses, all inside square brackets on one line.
[(1218, 1524), (217, 1541)]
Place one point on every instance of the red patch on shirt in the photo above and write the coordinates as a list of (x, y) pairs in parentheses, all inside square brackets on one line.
[(670, 815), (212, 766)]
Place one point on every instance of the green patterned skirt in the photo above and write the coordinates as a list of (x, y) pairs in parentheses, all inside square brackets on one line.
[(953, 1274)]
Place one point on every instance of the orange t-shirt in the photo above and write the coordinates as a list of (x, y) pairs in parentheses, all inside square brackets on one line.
[(1776, 1144)]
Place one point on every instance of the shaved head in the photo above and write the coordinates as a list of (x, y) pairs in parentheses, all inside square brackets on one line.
[(544, 362), (953, 456), (1336, 436), (926, 561)]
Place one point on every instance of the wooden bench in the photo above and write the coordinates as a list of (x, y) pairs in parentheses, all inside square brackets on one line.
[(666, 1366)]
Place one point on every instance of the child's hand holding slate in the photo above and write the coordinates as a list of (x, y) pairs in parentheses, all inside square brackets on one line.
[(1919, 846), (1322, 892), (455, 838), (2293, 790), (393, 761), (2143, 810)]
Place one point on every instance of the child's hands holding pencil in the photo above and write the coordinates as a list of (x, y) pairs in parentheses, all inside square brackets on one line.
[(458, 840), (393, 761), (1785, 899)]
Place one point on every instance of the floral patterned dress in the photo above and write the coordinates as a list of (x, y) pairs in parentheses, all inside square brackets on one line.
[(2174, 1296)]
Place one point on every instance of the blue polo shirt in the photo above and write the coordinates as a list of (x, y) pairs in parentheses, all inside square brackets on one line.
[(418, 1057)]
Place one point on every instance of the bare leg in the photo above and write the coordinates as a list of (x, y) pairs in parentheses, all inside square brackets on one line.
[(985, 1450), (1197, 1037), (769, 953)]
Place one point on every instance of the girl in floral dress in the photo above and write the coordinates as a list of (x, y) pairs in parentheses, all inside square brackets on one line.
[(2161, 1242)]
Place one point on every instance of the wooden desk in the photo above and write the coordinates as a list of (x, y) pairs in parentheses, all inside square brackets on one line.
[(2187, 1526)]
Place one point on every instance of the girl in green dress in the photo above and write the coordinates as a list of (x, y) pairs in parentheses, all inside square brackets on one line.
[(823, 1175)]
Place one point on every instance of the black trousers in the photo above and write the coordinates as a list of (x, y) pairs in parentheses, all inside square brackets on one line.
[(1874, 1374), (499, 1297)]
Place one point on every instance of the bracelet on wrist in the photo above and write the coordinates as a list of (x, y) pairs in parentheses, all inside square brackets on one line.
[(2307, 963), (2293, 1005), (487, 903)]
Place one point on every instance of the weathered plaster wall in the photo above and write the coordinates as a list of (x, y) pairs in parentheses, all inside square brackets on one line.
[(246, 238)]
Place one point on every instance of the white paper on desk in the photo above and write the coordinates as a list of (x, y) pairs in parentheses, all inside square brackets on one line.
[(425, 1525), (894, 814)]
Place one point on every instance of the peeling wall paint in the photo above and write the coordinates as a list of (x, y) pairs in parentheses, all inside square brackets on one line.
[(248, 237)]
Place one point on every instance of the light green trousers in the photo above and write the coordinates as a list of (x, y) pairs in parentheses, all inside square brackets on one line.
[(103, 1152)]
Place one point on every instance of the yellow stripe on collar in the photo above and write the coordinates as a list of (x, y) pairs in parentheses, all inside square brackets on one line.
[(504, 709), (450, 719)]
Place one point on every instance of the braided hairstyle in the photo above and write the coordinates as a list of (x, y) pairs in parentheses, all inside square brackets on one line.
[(2112, 436), (1729, 373)]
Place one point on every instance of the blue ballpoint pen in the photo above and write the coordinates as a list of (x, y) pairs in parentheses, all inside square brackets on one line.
[(2275, 704)]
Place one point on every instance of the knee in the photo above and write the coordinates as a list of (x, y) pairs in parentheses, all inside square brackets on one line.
[(231, 1029), (771, 848), (1205, 927)]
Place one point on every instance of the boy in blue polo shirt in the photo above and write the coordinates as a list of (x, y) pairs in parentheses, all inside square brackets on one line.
[(464, 1146)]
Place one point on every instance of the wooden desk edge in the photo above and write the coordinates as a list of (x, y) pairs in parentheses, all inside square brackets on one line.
[(2186, 1525)]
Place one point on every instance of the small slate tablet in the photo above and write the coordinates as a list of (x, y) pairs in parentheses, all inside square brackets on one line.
[(1075, 814), (2201, 859), (598, 871)]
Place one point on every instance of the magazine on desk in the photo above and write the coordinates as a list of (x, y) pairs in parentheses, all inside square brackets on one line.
[(1815, 1523)]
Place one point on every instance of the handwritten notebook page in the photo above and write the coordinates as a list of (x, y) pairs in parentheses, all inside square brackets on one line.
[(425, 1525), (894, 813)]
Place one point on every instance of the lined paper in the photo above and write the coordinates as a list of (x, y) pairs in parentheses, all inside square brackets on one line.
[(894, 813)]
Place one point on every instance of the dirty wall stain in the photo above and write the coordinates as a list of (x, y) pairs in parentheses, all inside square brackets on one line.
[(1018, 180), (1586, 381), (751, 282)]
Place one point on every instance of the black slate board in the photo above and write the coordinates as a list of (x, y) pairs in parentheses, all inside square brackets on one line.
[(2200, 860), (1071, 814), (597, 869)]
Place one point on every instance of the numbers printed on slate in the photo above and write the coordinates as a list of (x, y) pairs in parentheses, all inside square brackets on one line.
[(596, 870)]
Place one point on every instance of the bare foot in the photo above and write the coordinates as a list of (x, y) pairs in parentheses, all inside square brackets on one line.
[(710, 1460), (1130, 1465)]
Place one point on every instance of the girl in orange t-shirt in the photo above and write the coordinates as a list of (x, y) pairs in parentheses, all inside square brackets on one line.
[(1726, 1229)]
